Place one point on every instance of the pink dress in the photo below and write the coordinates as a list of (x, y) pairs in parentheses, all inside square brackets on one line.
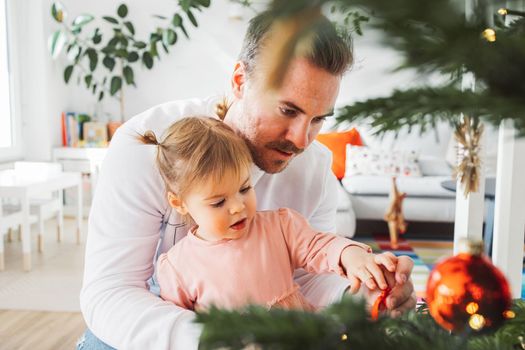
[(255, 269)]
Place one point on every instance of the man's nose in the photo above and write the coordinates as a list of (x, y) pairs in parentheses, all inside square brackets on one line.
[(297, 133)]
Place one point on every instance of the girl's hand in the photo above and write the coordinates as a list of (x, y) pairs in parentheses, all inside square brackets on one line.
[(363, 267)]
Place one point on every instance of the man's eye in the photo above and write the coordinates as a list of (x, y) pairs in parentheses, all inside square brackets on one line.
[(245, 189), (318, 120), (218, 204), (288, 112)]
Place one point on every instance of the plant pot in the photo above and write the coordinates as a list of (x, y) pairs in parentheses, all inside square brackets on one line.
[(112, 128)]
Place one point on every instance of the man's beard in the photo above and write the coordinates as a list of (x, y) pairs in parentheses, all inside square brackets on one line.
[(272, 166)]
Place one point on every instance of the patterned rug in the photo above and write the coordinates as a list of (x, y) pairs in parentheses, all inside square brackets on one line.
[(425, 254)]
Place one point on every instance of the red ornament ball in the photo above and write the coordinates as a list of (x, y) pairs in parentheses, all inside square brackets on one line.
[(467, 290)]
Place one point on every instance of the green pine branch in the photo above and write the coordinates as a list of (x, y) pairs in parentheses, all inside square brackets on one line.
[(346, 325), (421, 109), (436, 37)]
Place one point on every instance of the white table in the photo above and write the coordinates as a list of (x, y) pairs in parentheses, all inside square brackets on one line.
[(26, 186)]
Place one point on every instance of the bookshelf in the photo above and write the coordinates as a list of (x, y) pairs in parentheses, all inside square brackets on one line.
[(88, 161)]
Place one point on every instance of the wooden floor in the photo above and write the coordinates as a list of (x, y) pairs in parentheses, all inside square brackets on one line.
[(40, 330)]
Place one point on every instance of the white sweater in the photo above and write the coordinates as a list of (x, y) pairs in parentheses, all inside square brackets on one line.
[(130, 214)]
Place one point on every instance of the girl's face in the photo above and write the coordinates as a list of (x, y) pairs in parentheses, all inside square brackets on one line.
[(221, 210)]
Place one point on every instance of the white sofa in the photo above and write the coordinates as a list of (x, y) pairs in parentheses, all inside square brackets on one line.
[(426, 200)]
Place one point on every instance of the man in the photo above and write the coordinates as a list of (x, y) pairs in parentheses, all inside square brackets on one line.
[(130, 211)]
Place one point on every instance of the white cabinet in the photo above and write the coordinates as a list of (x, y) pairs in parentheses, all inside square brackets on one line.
[(88, 161)]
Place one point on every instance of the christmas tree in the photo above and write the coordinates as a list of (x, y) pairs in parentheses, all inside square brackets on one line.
[(437, 36), (431, 36)]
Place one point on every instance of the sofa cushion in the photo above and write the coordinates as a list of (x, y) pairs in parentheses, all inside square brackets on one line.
[(336, 142), (363, 160)]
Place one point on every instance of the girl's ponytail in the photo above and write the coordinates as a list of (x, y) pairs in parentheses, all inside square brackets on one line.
[(149, 138), (222, 108)]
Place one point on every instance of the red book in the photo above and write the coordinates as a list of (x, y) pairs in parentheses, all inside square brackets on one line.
[(64, 131)]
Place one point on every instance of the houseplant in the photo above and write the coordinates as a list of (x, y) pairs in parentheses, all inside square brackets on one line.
[(106, 63)]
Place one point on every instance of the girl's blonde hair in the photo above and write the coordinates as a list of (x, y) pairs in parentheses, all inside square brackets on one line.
[(198, 149)]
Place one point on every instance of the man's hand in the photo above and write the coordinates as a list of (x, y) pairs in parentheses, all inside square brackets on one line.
[(402, 297)]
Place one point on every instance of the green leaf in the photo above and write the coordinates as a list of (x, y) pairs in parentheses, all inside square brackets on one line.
[(122, 11), (203, 3), (67, 73), (169, 37), (128, 75), (58, 11), (133, 56), (93, 58), (192, 18), (114, 41), (147, 59), (56, 43), (110, 19), (94, 88), (87, 79), (185, 5), (184, 31), (101, 95), (154, 37), (108, 62), (165, 47), (116, 84), (82, 20), (177, 20), (140, 44), (97, 39), (108, 50), (73, 52), (153, 48), (130, 27), (123, 41), (121, 53)]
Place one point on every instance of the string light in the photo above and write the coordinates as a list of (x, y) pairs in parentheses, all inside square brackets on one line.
[(476, 322), (504, 12), (344, 337), (489, 34), (472, 308)]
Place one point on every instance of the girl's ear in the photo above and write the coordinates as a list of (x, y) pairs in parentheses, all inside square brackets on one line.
[(177, 203)]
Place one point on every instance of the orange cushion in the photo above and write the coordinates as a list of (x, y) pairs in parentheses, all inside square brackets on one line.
[(336, 142)]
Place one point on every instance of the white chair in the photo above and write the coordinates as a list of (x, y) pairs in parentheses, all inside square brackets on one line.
[(10, 218), (48, 205)]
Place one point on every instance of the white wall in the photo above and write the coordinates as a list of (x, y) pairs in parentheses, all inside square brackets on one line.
[(195, 68)]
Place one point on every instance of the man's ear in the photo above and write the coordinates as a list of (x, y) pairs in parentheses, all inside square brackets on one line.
[(177, 203), (238, 79)]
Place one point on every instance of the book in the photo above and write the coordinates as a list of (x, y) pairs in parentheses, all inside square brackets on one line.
[(64, 129)]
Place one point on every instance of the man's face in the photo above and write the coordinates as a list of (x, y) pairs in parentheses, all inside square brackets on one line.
[(278, 125)]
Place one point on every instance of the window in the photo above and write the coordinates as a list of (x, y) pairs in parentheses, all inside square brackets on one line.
[(6, 125)]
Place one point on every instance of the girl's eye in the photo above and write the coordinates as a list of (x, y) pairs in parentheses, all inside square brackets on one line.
[(246, 189), (218, 204)]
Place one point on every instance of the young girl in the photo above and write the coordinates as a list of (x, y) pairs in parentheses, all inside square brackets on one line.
[(234, 255)]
